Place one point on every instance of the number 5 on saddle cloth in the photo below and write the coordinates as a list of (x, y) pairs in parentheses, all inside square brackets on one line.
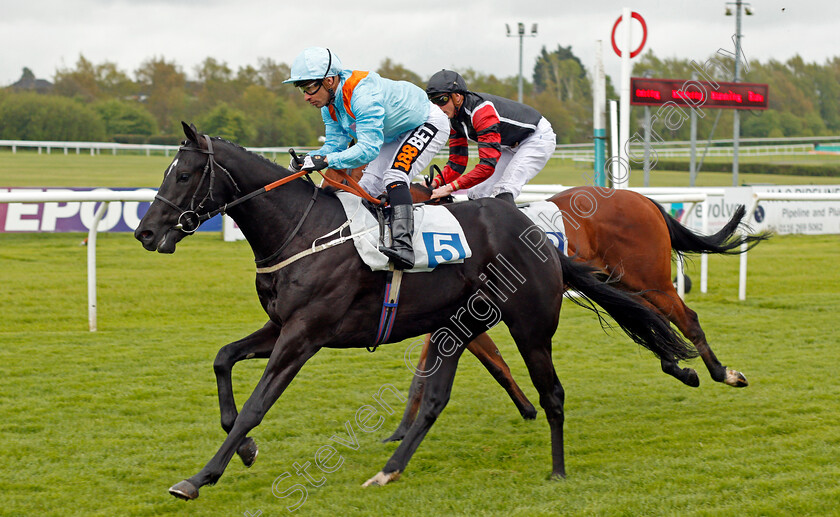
[(438, 239)]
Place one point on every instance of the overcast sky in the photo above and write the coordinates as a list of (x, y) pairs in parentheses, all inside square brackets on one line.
[(46, 35)]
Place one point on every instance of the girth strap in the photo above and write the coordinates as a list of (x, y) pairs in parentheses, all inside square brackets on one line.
[(389, 307)]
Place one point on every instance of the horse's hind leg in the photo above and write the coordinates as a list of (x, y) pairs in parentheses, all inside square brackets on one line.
[(670, 305), (537, 357), (687, 376), (435, 397), (486, 351), (257, 345), (690, 327), (415, 395)]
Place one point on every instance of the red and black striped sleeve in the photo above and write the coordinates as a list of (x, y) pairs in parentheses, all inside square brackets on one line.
[(485, 120), (458, 158)]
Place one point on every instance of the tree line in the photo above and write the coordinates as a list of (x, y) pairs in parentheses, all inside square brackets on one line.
[(251, 106)]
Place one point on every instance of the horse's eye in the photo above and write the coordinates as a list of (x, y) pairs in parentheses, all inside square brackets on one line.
[(183, 177)]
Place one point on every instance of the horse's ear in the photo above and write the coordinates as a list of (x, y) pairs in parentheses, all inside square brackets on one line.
[(191, 132)]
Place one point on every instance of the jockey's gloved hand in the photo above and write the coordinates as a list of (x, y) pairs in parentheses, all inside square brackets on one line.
[(296, 164), (314, 163)]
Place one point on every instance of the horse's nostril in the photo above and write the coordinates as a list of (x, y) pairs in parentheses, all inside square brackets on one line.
[(145, 235)]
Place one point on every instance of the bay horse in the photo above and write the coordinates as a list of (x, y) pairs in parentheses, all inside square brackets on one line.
[(630, 238), (332, 299)]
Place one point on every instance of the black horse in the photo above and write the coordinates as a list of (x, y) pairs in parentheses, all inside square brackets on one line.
[(331, 299)]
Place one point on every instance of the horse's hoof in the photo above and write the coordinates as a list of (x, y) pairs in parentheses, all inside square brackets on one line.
[(397, 436), (529, 413), (184, 490), (557, 476), (691, 378), (248, 451), (736, 379), (382, 478)]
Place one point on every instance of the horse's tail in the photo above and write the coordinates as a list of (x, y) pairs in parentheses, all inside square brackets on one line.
[(685, 240), (644, 325)]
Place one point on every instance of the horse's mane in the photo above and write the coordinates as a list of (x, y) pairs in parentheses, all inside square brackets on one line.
[(258, 156)]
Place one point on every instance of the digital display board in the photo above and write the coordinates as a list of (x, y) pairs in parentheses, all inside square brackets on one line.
[(697, 94)]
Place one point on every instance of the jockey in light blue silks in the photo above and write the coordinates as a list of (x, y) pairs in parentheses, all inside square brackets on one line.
[(396, 129)]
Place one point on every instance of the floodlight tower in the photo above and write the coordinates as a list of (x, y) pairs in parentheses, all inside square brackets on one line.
[(521, 34), (736, 121)]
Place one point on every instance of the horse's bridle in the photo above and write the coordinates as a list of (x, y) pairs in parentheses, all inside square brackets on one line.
[(190, 220)]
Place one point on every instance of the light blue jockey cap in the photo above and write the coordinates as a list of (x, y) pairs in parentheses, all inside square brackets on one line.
[(314, 63)]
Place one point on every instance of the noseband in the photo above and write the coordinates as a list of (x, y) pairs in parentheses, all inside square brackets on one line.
[(190, 220)]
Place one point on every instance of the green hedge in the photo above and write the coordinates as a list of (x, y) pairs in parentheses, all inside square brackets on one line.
[(131, 139), (147, 139), (32, 116), (788, 169), (165, 139), (125, 118)]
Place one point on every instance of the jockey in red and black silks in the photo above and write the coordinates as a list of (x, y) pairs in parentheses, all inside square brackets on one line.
[(514, 140)]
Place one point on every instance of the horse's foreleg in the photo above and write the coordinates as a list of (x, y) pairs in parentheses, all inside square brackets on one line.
[(257, 345), (486, 351), (285, 362), (435, 396), (415, 395)]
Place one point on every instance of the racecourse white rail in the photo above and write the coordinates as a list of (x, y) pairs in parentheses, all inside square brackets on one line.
[(530, 193), (572, 151), (576, 152)]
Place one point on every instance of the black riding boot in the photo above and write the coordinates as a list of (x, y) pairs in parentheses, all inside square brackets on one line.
[(401, 251), (506, 196)]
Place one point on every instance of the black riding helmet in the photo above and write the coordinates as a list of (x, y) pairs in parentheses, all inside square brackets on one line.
[(446, 81)]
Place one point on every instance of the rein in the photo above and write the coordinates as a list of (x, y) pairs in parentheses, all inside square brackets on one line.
[(430, 180), (189, 220)]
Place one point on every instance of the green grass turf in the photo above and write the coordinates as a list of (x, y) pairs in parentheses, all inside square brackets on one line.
[(103, 423), (28, 169)]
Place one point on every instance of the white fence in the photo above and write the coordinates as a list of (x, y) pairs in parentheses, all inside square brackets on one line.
[(106, 197), (747, 150), (95, 148), (569, 151), (577, 152), (530, 193)]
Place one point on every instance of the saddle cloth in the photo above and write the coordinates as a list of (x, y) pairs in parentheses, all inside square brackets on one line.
[(548, 217), (438, 237)]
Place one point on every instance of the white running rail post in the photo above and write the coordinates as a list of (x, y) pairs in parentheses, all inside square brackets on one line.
[(91, 264)]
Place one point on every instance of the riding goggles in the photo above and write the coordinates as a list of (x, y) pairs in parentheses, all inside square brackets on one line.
[(311, 88), (440, 100)]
